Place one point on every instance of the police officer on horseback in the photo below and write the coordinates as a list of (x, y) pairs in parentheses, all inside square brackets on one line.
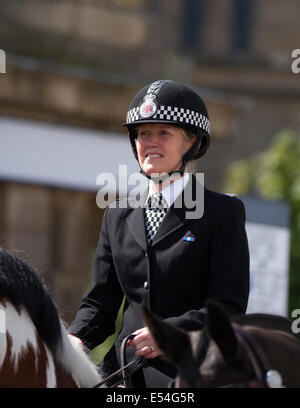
[(157, 255)]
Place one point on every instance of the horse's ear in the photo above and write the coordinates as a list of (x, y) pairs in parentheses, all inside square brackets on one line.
[(221, 331), (175, 345)]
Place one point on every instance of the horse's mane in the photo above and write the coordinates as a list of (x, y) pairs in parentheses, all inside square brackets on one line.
[(23, 287)]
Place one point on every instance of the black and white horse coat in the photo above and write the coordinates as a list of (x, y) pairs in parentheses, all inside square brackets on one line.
[(35, 349)]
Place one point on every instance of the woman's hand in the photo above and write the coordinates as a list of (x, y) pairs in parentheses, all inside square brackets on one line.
[(75, 340), (144, 344)]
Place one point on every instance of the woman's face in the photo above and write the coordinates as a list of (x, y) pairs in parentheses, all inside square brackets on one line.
[(160, 148)]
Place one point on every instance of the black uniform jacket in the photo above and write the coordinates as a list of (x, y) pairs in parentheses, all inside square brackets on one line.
[(173, 277)]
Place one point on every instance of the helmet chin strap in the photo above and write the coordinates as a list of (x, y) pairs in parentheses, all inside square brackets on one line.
[(164, 177)]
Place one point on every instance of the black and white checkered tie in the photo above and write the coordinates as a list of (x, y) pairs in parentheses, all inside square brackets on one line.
[(155, 211)]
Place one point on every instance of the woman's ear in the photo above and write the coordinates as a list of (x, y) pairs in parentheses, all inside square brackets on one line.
[(189, 136)]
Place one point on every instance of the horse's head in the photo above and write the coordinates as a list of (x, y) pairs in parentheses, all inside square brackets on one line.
[(211, 357)]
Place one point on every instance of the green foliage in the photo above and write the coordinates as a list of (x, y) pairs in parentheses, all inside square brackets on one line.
[(99, 352), (275, 174)]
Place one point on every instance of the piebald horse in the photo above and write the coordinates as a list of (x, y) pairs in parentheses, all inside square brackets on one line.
[(35, 349)]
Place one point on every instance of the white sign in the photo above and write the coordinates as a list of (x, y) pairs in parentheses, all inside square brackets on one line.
[(2, 62), (269, 247), (60, 155)]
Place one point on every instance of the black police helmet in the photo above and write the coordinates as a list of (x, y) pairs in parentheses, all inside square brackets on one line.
[(174, 103)]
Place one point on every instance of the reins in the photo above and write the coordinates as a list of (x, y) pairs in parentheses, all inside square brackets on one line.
[(264, 375), (126, 377)]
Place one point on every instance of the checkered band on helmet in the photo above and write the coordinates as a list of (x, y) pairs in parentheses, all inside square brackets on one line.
[(170, 102), (173, 114)]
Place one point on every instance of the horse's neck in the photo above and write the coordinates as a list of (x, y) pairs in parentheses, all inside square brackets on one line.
[(75, 361), (263, 336), (26, 361), (282, 350), (63, 378), (266, 321)]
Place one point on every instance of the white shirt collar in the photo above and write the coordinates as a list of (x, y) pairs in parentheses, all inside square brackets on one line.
[(172, 191)]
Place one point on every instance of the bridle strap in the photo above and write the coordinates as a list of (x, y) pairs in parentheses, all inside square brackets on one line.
[(258, 359), (161, 179)]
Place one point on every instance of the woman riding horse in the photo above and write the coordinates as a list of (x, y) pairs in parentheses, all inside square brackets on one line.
[(166, 253)]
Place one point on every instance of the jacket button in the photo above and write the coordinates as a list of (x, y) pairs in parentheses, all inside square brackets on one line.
[(146, 285)]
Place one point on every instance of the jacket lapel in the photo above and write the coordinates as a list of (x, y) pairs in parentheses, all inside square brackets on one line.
[(136, 223), (174, 219)]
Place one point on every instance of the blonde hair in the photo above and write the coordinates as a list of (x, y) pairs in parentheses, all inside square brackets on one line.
[(190, 166), (188, 134)]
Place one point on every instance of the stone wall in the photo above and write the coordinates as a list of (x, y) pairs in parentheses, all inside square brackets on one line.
[(55, 231)]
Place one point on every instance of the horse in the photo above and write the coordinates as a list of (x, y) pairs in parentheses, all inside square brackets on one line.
[(35, 349), (244, 351)]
